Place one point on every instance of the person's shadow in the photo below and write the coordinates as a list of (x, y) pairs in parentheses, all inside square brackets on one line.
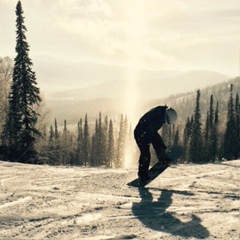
[(153, 215)]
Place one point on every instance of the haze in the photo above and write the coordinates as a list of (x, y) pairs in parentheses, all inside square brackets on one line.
[(165, 36)]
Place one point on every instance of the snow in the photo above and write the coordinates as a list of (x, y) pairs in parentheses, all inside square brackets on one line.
[(185, 202)]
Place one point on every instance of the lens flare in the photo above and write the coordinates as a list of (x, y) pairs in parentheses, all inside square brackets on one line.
[(134, 29)]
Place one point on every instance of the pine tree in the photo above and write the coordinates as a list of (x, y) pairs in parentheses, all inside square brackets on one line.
[(214, 137), (110, 145), (213, 132), (95, 147), (211, 113), (98, 148), (65, 145), (51, 135), (86, 142), (105, 139), (56, 154), (79, 151), (186, 138), (207, 126), (24, 96), (101, 140), (44, 131), (121, 141), (49, 148), (196, 143), (56, 133), (229, 145), (237, 111), (208, 132)]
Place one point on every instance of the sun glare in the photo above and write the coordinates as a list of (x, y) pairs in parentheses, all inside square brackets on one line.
[(134, 29)]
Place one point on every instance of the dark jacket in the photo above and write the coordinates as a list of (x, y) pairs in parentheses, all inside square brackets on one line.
[(147, 128)]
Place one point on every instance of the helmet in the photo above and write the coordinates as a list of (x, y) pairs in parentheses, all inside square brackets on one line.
[(171, 116)]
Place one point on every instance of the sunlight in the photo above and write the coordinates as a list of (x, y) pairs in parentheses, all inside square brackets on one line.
[(134, 30)]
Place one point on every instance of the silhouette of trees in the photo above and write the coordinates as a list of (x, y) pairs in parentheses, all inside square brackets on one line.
[(112, 140), (20, 129), (230, 144), (86, 142), (196, 142), (211, 145)]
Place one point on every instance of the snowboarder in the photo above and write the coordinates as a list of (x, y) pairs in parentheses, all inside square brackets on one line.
[(146, 133)]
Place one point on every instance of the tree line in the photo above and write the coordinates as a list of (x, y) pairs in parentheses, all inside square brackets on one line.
[(200, 135), (105, 143), (109, 140), (202, 138)]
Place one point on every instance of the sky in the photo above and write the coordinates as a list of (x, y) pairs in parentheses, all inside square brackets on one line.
[(160, 35)]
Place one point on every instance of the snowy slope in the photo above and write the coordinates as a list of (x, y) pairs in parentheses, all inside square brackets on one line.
[(186, 201)]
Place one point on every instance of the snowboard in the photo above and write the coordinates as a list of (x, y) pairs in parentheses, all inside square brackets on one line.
[(174, 153)]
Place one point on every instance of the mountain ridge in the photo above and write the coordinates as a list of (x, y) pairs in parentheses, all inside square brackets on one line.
[(146, 87)]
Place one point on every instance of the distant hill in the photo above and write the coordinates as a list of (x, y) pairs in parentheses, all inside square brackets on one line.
[(61, 75), (147, 86), (184, 101)]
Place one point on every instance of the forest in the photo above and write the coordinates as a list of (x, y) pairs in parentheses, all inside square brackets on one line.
[(208, 126)]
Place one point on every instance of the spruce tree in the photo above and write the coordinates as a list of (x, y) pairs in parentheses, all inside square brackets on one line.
[(79, 151), (57, 145), (65, 145), (211, 113), (95, 147), (187, 130), (196, 143), (24, 96), (56, 134), (211, 143), (237, 111), (230, 138), (105, 139), (51, 135), (186, 138), (101, 140), (121, 142), (86, 142), (207, 127), (49, 149), (208, 144), (213, 149), (110, 146)]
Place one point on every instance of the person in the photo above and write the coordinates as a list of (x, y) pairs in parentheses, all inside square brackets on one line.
[(146, 133)]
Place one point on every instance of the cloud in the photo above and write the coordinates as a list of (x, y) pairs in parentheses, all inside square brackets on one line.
[(151, 34)]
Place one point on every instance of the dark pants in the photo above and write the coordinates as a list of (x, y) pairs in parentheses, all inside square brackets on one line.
[(145, 156)]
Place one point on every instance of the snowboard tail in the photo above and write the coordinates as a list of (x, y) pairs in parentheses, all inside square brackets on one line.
[(174, 153), (153, 173)]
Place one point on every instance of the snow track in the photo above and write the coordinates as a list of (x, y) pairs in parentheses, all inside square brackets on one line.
[(186, 201)]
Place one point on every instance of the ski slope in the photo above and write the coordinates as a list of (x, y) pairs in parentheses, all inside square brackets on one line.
[(186, 201)]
